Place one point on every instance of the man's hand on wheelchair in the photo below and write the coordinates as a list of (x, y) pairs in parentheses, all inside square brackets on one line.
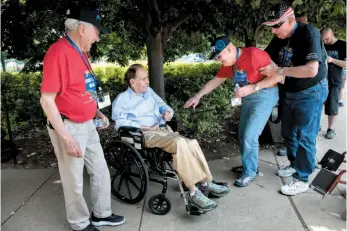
[(167, 116)]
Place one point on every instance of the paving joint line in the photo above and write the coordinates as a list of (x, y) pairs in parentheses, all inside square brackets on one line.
[(28, 198), (143, 210), (301, 219)]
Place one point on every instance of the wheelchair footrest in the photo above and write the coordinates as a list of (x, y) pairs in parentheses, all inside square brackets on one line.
[(322, 182), (192, 210), (220, 183), (211, 196), (332, 160)]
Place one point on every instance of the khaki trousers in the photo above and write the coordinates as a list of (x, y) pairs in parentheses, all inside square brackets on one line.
[(188, 159), (71, 174)]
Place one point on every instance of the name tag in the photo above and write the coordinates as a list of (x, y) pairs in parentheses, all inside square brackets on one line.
[(104, 100), (236, 102)]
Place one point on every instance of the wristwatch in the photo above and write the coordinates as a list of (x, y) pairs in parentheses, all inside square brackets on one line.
[(256, 88), (280, 71)]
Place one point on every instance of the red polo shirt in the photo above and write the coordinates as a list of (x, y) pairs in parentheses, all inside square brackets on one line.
[(249, 62), (65, 73)]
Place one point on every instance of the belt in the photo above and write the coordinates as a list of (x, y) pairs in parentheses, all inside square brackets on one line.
[(63, 117)]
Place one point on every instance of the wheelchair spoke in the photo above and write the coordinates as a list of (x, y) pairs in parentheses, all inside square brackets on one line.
[(128, 188), (120, 183), (134, 184)]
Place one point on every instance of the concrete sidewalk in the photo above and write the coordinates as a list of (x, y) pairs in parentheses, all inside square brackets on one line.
[(33, 200), (36, 198)]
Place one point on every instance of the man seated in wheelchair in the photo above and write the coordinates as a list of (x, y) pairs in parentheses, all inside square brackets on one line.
[(139, 106)]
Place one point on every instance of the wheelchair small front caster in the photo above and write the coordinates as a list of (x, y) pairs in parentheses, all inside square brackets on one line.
[(159, 204)]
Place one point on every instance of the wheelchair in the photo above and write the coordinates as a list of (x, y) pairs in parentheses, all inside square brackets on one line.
[(136, 165)]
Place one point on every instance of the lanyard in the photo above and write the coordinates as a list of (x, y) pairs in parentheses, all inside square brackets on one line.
[(236, 65), (85, 62), (237, 57)]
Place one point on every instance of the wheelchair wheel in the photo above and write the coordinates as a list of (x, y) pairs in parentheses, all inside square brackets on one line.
[(159, 204), (131, 180)]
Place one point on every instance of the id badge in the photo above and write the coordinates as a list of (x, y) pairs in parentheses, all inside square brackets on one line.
[(236, 102), (240, 77), (104, 100)]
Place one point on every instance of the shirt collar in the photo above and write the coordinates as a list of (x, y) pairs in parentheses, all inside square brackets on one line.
[(133, 94)]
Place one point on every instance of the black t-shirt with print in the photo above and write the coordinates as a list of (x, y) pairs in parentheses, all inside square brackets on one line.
[(304, 45), (336, 51)]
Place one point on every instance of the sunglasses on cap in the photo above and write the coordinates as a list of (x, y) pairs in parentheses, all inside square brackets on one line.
[(278, 25)]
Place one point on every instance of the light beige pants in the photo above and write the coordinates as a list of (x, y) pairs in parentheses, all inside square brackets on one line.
[(71, 174), (188, 159)]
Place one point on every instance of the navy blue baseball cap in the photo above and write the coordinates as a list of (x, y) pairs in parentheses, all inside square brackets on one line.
[(218, 45), (91, 16)]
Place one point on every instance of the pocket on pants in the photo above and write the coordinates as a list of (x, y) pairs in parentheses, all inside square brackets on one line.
[(313, 91), (71, 126)]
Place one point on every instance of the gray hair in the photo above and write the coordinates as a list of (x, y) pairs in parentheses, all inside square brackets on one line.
[(72, 24)]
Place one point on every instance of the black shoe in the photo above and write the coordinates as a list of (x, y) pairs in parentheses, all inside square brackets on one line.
[(341, 104), (239, 170), (90, 227), (112, 220), (330, 134)]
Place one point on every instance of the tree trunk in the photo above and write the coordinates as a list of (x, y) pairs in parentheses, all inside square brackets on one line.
[(3, 62), (250, 40), (155, 56), (7, 117)]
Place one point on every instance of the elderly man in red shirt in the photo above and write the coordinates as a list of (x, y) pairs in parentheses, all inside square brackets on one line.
[(69, 100), (259, 95)]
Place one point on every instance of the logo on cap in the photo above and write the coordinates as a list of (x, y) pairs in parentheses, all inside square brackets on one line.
[(220, 45), (272, 13)]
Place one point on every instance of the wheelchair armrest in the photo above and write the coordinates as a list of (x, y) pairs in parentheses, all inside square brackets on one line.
[(129, 129), (172, 124)]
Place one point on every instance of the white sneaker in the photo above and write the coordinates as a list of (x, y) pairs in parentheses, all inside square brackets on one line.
[(286, 172), (294, 187)]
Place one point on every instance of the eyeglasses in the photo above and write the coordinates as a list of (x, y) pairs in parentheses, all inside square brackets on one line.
[(278, 25)]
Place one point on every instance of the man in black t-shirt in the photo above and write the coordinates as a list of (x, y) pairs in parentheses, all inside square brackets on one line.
[(336, 50), (297, 50), (302, 17)]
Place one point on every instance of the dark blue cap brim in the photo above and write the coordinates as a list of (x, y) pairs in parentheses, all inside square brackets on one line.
[(214, 55)]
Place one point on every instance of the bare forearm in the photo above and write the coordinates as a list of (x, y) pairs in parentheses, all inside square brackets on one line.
[(54, 117), (210, 86), (304, 71), (340, 63), (270, 81), (98, 113)]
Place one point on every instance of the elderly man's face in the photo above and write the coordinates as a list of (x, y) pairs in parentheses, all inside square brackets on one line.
[(228, 56), (328, 37), (140, 83), (283, 29), (89, 35)]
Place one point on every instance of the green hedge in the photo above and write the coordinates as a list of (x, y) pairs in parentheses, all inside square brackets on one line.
[(22, 94)]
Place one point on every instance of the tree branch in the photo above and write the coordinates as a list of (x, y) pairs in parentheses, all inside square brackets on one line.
[(155, 12), (172, 25)]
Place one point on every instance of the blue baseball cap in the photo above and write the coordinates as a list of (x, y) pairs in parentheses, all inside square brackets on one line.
[(218, 45)]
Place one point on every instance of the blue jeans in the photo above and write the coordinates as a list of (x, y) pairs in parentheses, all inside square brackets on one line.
[(300, 125), (255, 112)]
